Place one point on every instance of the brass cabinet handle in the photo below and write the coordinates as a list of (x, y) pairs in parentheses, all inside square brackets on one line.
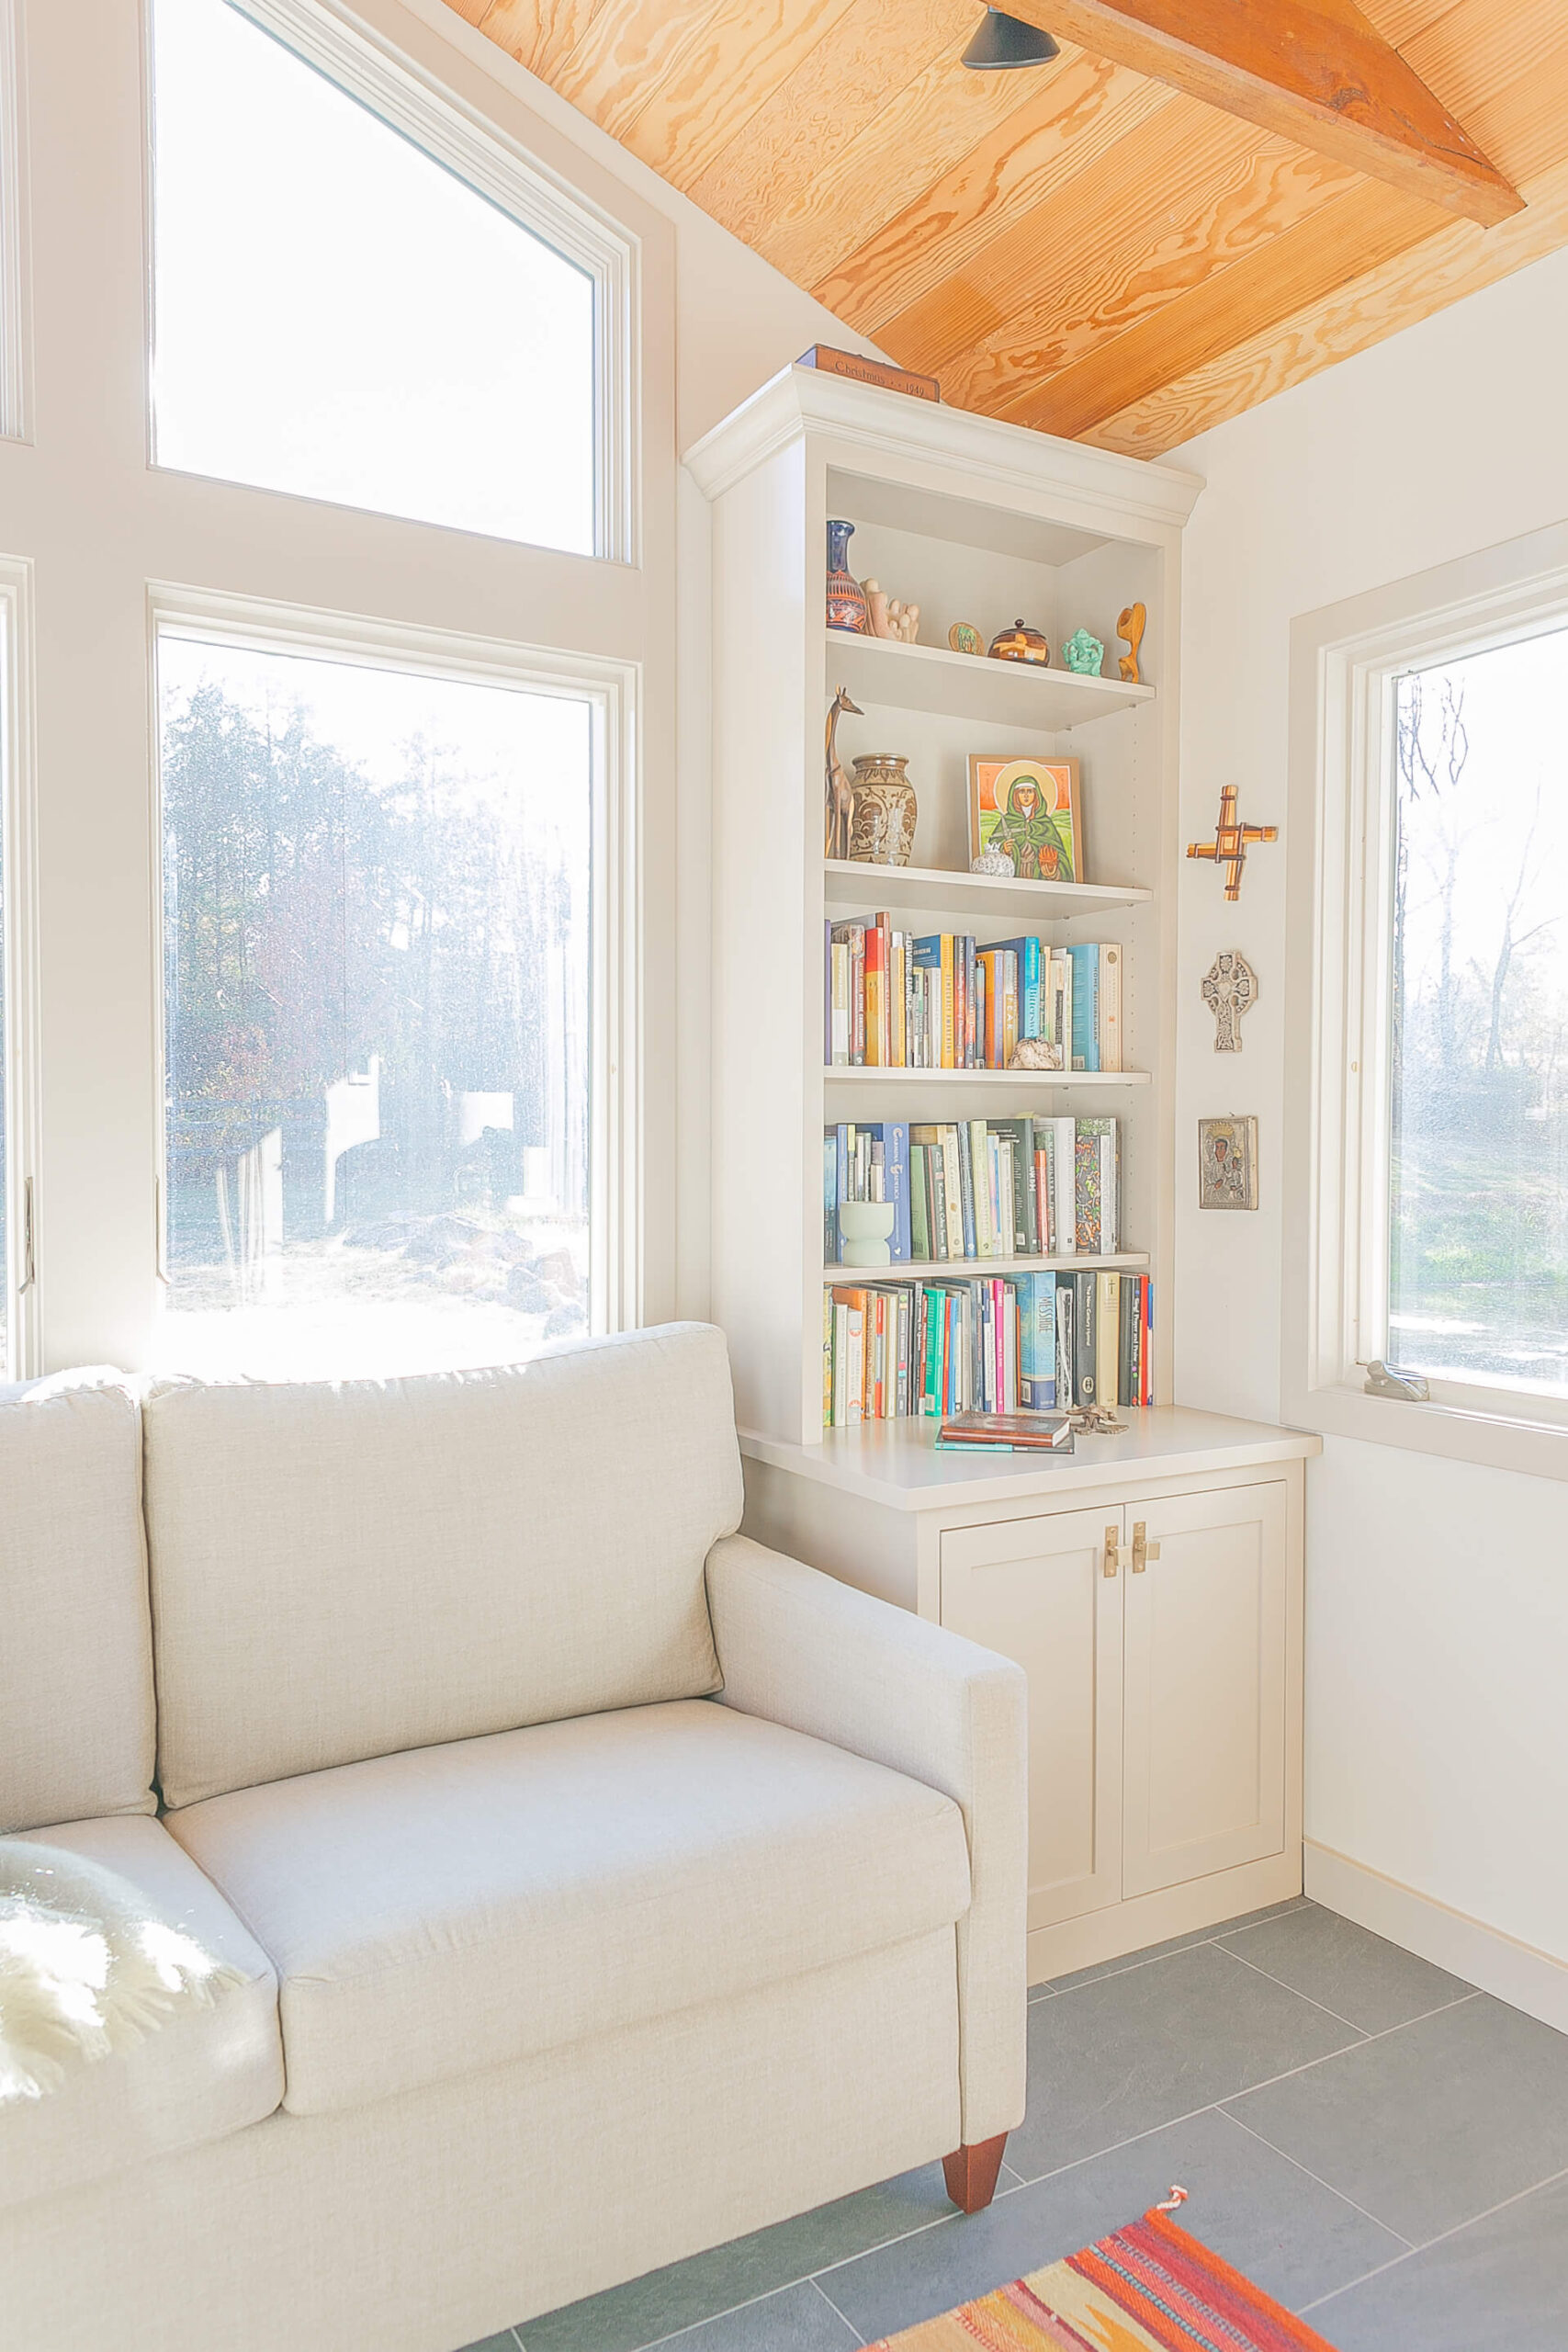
[(1112, 1550), (1142, 1550)]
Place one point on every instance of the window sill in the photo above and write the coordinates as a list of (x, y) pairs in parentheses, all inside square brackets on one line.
[(1499, 1441)]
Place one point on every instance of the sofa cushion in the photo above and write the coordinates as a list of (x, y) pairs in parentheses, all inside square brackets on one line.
[(342, 1569), (431, 1913), (75, 1648), (205, 2072)]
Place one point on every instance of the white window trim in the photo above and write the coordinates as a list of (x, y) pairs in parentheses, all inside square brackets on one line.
[(16, 322), (478, 152), (1345, 660), (18, 847), (612, 690)]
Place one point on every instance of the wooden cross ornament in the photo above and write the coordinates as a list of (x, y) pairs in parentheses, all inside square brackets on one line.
[(1231, 841)]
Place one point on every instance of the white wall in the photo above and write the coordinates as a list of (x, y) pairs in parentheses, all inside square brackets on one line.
[(1436, 1591)]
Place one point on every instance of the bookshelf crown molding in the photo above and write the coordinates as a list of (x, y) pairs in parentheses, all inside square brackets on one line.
[(1003, 461)]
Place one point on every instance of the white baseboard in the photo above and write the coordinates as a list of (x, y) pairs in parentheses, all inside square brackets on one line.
[(1516, 1973)]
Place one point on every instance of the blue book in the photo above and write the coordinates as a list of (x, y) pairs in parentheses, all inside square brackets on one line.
[(830, 1198), (1030, 984), (1086, 1007), (1037, 1342)]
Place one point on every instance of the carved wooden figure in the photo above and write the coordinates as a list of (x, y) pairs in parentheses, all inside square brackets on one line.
[(1130, 623), (1230, 988), (838, 790), (1231, 841)]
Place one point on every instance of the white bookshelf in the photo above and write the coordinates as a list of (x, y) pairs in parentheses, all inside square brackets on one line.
[(975, 520)]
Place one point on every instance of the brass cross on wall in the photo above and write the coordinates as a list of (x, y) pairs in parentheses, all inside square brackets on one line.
[(1231, 841)]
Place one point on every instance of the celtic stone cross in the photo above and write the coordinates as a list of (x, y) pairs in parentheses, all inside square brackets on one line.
[(1230, 986)]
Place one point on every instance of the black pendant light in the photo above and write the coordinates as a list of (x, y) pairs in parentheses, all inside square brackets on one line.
[(1006, 41)]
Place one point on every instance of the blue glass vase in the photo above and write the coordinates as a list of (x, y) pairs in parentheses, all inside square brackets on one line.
[(846, 599)]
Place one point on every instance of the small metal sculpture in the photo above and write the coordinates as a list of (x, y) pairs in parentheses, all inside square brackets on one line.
[(1096, 1421), (1230, 988), (1130, 623), (1083, 654), (1231, 841), (839, 792)]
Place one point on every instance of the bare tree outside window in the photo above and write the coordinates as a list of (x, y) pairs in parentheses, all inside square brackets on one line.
[(1479, 1163), (377, 1044)]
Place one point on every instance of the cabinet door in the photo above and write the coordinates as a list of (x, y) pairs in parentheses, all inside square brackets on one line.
[(1205, 1686), (1036, 1590)]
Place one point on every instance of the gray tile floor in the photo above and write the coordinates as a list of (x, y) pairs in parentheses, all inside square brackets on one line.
[(1378, 2145)]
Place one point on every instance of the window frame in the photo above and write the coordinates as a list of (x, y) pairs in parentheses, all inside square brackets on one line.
[(612, 689), (478, 152), (1347, 660), (19, 1358)]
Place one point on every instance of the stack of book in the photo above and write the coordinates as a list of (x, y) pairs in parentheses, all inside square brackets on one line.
[(895, 1001), (1005, 1433), (979, 1188), (1034, 1342)]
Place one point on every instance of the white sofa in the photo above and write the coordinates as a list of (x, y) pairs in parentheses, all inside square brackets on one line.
[(604, 1884)]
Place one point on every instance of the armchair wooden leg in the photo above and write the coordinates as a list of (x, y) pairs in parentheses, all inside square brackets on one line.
[(971, 2174)]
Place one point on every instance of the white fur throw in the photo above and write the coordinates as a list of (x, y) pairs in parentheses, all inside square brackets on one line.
[(87, 1965)]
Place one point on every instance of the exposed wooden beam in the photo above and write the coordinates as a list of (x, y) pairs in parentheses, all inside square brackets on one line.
[(1315, 71)]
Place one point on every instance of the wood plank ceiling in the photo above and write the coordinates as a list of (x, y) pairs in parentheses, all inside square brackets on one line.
[(1075, 246)]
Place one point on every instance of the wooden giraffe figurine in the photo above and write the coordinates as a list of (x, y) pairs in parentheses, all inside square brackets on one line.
[(839, 792)]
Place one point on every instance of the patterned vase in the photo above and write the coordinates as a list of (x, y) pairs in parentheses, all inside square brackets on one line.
[(846, 599), (881, 829)]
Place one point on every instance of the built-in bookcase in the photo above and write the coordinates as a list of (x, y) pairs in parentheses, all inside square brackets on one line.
[(975, 521)]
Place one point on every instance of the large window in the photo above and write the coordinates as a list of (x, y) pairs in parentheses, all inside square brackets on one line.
[(1478, 1097), (339, 316), (377, 959), (1425, 1142)]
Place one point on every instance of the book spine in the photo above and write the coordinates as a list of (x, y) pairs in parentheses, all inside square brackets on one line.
[(1041, 1192), (919, 1221), (1067, 1353), (1149, 1339), (1009, 1020), (874, 992), (1110, 1186), (831, 1198), (949, 1022), (1110, 1008), (1086, 1009), (1108, 1329), (981, 1184), (829, 1313), (839, 1053), (857, 995), (895, 1165), (970, 1248), (827, 992), (898, 1001), (1087, 1202), (1086, 1340), (1063, 1208)]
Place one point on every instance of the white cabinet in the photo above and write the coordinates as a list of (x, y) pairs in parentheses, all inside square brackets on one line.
[(1036, 1590), (1150, 1587), (1154, 1640), (1204, 1678)]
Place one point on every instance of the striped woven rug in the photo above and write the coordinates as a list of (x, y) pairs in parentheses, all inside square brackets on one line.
[(1149, 2288)]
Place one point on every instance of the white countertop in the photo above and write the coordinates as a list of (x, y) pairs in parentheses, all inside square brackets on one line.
[(897, 1462)]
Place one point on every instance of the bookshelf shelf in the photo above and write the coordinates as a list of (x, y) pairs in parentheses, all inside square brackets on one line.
[(968, 686), (977, 898), (861, 1074), (965, 1269)]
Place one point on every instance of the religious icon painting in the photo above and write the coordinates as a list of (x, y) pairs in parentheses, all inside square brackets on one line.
[(1227, 1163), (1031, 810)]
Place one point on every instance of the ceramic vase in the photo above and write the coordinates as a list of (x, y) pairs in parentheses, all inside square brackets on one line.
[(846, 599), (865, 1229), (882, 828)]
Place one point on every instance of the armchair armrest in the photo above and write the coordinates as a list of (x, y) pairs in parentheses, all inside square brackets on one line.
[(802, 1649)]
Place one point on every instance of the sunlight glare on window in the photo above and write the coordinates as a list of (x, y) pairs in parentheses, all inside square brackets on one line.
[(338, 316), (376, 981), (1478, 1290)]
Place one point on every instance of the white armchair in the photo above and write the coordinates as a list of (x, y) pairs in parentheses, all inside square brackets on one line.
[(801, 1649)]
